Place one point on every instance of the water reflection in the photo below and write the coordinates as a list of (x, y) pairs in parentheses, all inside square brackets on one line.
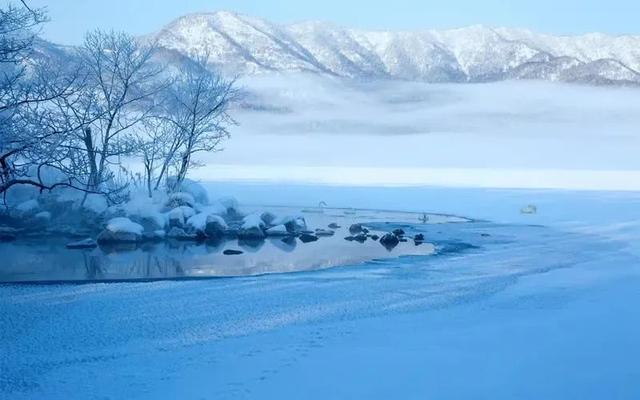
[(40, 260)]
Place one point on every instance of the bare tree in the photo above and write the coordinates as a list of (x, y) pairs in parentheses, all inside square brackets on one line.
[(197, 106), (23, 87), (117, 93), (154, 143)]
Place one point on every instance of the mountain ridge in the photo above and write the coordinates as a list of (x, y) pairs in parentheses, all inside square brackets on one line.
[(240, 44)]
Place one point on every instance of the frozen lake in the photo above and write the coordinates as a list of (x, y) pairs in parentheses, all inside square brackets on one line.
[(540, 306)]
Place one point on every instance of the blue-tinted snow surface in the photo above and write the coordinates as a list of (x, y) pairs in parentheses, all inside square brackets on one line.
[(541, 306)]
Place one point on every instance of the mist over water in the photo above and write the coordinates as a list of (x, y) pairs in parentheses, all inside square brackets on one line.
[(508, 134)]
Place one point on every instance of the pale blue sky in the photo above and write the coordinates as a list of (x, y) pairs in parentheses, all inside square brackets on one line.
[(71, 18)]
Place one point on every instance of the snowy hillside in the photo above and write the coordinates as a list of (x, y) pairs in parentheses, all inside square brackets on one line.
[(241, 44)]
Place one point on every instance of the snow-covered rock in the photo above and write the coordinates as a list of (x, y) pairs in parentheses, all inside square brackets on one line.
[(179, 215), (121, 230), (196, 190), (209, 225), (230, 205), (180, 199), (278, 230), (252, 227), (268, 218), (294, 224)]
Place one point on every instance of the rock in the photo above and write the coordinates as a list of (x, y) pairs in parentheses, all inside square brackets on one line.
[(307, 238), (230, 205), (333, 225), (83, 244), (215, 227), (196, 190), (179, 216), (403, 240), (374, 237), (232, 252), (355, 229), (151, 224), (278, 230), (107, 236), (180, 234), (155, 236), (361, 237), (324, 232), (389, 241), (179, 199), (295, 224), (268, 218), (121, 230), (419, 237), (252, 227), (350, 238), (398, 232), (485, 235)]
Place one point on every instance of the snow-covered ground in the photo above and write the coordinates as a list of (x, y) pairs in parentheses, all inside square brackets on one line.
[(545, 307), (512, 134)]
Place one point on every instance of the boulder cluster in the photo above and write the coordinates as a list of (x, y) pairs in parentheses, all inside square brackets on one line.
[(389, 240)]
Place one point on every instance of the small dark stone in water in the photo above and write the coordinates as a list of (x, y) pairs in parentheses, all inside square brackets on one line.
[(403, 240), (389, 241), (360, 238), (374, 237), (290, 240), (324, 232), (307, 238), (350, 238), (485, 235), (365, 230), (419, 237), (398, 232), (232, 252), (82, 244), (333, 225), (355, 229)]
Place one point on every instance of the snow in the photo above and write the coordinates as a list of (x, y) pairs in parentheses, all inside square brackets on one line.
[(140, 206), (124, 225)]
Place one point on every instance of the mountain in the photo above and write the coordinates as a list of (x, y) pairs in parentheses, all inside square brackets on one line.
[(240, 44)]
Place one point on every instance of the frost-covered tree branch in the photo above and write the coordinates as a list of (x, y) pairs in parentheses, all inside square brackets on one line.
[(197, 106)]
